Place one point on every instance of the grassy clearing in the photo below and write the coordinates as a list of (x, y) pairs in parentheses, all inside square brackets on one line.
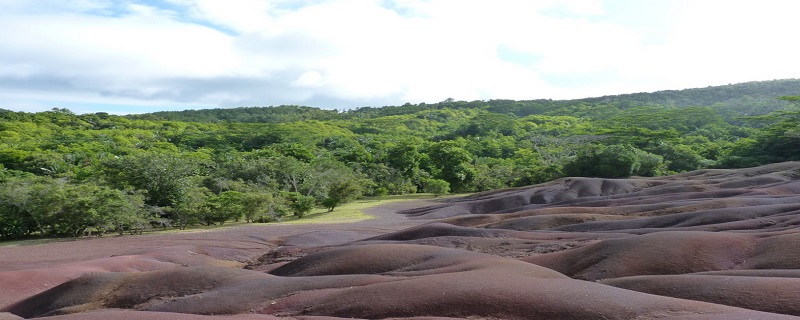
[(352, 211), (30, 242), (346, 213)]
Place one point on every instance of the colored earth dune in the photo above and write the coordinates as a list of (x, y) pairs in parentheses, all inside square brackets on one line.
[(710, 244)]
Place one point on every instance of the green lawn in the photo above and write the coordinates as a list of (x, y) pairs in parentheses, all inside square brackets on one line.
[(352, 211)]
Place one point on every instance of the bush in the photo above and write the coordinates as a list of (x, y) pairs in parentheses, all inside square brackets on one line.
[(381, 193), (437, 186), (680, 158), (300, 204), (614, 161), (650, 165)]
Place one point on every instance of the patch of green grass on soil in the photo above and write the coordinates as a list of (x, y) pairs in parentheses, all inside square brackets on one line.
[(346, 213), (30, 242), (352, 211)]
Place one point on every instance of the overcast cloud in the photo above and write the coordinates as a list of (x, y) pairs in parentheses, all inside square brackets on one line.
[(151, 55)]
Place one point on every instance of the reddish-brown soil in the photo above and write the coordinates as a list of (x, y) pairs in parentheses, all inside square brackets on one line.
[(711, 244)]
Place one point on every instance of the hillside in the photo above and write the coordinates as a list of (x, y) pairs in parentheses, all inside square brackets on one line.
[(750, 98), (139, 171)]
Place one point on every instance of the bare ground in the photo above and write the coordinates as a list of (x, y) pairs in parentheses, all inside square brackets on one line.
[(711, 244)]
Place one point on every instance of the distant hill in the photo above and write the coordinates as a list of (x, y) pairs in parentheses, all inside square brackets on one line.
[(279, 114), (707, 96), (749, 98), (731, 101)]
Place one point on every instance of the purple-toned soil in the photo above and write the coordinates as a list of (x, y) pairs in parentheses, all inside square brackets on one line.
[(710, 244)]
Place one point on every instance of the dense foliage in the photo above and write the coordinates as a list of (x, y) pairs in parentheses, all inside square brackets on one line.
[(67, 175)]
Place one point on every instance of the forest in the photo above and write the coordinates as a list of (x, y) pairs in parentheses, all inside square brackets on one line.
[(66, 174)]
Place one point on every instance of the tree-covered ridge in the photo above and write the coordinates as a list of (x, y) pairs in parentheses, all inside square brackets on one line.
[(68, 174), (731, 101), (757, 90), (247, 114)]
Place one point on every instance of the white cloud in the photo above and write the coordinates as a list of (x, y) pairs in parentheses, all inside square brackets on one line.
[(374, 52), (720, 42), (309, 79), (245, 16)]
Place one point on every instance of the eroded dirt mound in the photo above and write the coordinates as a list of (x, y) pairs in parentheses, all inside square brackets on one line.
[(358, 281), (771, 294), (710, 244)]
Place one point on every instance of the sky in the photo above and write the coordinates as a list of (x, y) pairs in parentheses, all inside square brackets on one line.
[(125, 57)]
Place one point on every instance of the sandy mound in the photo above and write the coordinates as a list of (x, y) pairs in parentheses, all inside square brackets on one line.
[(149, 315), (542, 222), (768, 181), (361, 281), (442, 229), (403, 260), (9, 316), (15, 285), (771, 294), (775, 273), (656, 253)]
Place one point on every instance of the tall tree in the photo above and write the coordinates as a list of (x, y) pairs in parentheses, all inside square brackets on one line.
[(164, 177), (452, 163)]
